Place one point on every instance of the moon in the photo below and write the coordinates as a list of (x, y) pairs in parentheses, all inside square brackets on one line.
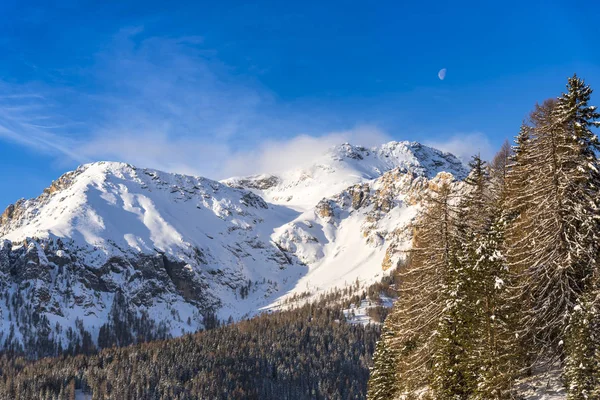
[(442, 74)]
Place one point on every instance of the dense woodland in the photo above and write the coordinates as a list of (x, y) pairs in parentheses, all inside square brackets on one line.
[(309, 352), (503, 279)]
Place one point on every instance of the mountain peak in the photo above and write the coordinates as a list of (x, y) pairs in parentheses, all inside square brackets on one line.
[(175, 249), (101, 203), (410, 156), (345, 165)]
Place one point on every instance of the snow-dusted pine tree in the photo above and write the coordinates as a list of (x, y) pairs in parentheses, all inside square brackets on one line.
[(499, 168), (420, 306), (553, 241), (483, 314), (454, 370), (477, 200), (454, 367), (517, 200), (496, 351), (382, 379), (582, 368)]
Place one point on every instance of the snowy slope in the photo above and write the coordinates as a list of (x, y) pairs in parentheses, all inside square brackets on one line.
[(177, 247), (358, 234), (110, 244), (346, 165)]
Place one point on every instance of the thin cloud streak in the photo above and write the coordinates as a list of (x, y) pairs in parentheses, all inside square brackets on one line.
[(168, 103), (464, 146), (16, 126)]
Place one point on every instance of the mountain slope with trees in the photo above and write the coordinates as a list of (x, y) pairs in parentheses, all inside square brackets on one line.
[(309, 352)]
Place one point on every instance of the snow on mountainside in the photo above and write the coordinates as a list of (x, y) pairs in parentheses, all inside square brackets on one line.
[(357, 234), (344, 166), (110, 248)]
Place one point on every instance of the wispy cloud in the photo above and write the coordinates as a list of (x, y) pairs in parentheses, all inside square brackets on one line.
[(277, 155), (166, 103), (25, 118), (171, 104), (464, 146)]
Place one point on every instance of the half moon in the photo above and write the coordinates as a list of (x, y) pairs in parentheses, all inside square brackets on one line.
[(442, 74)]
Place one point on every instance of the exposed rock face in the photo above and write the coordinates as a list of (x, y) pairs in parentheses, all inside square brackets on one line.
[(19, 214), (261, 182), (46, 290), (324, 209), (7, 214)]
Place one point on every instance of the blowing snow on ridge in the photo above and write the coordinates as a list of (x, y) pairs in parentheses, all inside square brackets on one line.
[(110, 246)]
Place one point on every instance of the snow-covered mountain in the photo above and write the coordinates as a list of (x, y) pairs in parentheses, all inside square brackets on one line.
[(343, 166), (110, 247)]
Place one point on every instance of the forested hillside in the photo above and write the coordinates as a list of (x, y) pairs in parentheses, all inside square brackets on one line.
[(309, 352), (503, 280)]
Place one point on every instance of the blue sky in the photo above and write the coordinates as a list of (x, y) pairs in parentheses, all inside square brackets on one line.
[(219, 88)]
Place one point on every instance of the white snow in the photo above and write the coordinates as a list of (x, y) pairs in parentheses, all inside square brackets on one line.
[(359, 313), (345, 165), (543, 386), (283, 246)]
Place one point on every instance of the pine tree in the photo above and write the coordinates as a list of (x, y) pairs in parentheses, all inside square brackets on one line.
[(496, 349), (420, 307), (516, 198), (553, 211), (574, 118), (477, 333), (540, 245), (499, 168), (382, 379), (477, 199), (582, 369), (581, 204), (454, 370)]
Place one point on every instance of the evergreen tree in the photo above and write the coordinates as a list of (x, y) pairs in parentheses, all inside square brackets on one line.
[(476, 203), (382, 379), (499, 168), (550, 239), (420, 307), (574, 118), (516, 198), (582, 369), (496, 349), (452, 320), (454, 370)]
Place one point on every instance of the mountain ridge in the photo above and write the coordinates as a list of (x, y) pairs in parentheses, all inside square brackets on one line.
[(345, 165), (110, 244)]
